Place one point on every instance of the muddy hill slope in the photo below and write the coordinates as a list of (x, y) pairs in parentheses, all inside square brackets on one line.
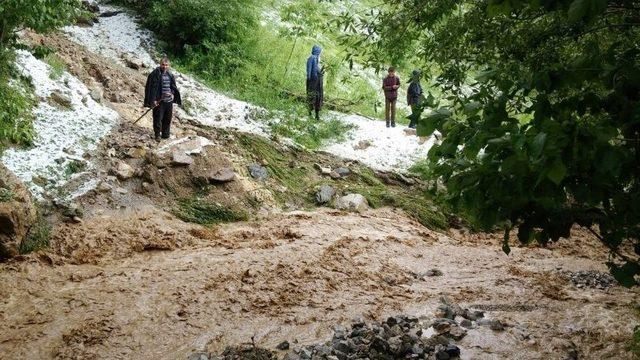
[(226, 242)]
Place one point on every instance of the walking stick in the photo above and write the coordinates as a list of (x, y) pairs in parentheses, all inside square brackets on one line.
[(135, 122)]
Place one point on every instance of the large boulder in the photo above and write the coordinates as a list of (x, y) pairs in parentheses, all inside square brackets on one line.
[(324, 194), (122, 170), (17, 213), (352, 202)]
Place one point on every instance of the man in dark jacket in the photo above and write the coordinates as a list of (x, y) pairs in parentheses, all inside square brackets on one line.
[(414, 98), (160, 94), (315, 86), (390, 85)]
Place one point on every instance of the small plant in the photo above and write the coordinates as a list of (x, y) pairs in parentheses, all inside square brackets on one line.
[(74, 167), (37, 237), (58, 66), (42, 51), (5, 195), (204, 213)]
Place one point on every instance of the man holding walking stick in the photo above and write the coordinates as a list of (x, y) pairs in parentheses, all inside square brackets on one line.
[(160, 94)]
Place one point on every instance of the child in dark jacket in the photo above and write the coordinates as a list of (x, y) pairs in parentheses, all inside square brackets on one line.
[(414, 98), (390, 85)]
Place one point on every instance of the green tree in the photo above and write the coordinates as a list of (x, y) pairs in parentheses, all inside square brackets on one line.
[(542, 118)]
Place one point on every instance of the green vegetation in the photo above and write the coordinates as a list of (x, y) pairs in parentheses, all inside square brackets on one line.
[(16, 101), (58, 66), (37, 237), (309, 132), (196, 211), (541, 122), (5, 194), (634, 344), (74, 167)]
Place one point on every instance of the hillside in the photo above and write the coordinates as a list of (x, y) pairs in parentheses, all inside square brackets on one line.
[(235, 236)]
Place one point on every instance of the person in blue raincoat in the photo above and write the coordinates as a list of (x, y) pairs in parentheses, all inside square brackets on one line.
[(315, 86)]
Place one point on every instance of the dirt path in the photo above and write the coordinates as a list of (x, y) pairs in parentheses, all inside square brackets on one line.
[(128, 295)]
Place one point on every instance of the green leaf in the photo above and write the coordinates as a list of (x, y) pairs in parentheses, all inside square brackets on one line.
[(557, 171), (578, 9), (537, 145), (505, 241), (626, 273)]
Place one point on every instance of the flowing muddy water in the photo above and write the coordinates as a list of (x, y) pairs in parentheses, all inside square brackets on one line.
[(141, 284)]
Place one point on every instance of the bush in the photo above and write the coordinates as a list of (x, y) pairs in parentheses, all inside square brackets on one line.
[(37, 237), (16, 103)]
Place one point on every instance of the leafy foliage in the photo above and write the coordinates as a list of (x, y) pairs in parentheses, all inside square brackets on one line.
[(541, 115), (15, 102)]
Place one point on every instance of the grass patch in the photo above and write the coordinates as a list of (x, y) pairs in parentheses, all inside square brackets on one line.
[(282, 167), (310, 133), (6, 195), (74, 167), (197, 211), (58, 66), (634, 344), (37, 238)]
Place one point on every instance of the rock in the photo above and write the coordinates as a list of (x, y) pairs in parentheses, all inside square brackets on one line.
[(339, 332), (352, 202), (325, 194), (323, 170), (179, 158), (70, 210), (342, 171), (96, 94), (444, 311), (456, 332), (17, 213), (133, 63), (137, 153), (103, 187), (60, 99), (110, 13), (466, 323), (410, 132), (492, 324), (258, 172), (122, 170), (221, 175), (334, 175), (116, 97), (472, 315), (362, 144), (283, 345), (344, 347), (155, 160), (199, 356)]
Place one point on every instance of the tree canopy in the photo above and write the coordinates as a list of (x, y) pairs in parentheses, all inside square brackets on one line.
[(540, 111)]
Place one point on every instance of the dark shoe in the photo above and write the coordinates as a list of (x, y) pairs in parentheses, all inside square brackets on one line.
[(165, 136), (387, 124), (393, 124), (157, 138)]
